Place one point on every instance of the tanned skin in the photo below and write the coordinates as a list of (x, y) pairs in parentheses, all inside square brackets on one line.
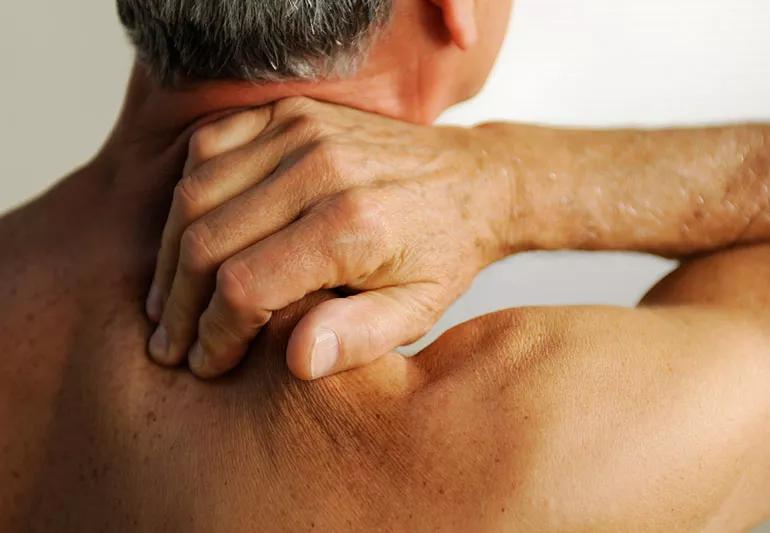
[(280, 201), (579, 419)]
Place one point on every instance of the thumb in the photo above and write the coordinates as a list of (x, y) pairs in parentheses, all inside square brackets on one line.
[(346, 333)]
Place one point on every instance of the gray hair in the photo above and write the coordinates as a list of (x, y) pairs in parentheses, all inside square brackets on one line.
[(254, 40)]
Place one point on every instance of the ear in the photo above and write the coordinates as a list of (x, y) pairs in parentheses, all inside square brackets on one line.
[(460, 20)]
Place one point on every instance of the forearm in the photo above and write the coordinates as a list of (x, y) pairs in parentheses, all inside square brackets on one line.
[(668, 192)]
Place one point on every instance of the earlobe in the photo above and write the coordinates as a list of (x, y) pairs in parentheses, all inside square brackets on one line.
[(460, 21)]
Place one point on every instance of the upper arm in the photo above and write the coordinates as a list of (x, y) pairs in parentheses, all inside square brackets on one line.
[(658, 415), (738, 278)]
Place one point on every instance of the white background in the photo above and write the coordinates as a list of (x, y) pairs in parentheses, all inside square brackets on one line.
[(63, 67)]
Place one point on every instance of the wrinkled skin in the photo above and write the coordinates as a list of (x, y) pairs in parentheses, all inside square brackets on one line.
[(518, 421), (527, 420), (314, 203), (285, 199)]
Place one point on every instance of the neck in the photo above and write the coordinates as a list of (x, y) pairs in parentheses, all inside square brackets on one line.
[(157, 119), (152, 110), (405, 76), (398, 80), (132, 178)]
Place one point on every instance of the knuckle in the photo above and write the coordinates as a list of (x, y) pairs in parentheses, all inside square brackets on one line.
[(330, 156), (203, 143), (233, 281), (359, 209), (308, 126), (188, 197), (196, 253), (336, 166), (351, 204)]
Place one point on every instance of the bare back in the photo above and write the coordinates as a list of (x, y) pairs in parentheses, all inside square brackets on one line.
[(515, 421)]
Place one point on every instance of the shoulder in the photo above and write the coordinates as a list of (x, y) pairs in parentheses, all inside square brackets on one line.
[(540, 409)]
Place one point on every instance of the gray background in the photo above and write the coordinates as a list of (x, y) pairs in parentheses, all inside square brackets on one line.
[(581, 62)]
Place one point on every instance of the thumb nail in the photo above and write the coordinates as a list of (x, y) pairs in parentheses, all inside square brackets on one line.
[(326, 353)]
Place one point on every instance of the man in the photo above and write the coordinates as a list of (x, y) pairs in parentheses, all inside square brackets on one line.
[(529, 419)]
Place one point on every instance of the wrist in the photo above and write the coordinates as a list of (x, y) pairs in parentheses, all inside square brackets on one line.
[(492, 179), (529, 213)]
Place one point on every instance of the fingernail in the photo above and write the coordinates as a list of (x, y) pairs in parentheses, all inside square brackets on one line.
[(196, 357), (326, 353), (154, 306), (159, 344)]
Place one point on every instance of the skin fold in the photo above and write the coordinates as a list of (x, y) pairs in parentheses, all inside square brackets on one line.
[(531, 419), (283, 200), (525, 420)]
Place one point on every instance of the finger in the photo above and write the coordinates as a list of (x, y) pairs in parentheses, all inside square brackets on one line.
[(207, 142), (298, 260), (205, 245), (346, 333), (208, 187), (223, 233), (225, 330), (267, 207), (191, 290), (225, 134)]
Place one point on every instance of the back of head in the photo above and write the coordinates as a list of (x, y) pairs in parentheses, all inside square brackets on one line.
[(252, 40), (408, 59)]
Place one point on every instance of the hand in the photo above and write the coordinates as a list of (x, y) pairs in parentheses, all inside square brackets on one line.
[(281, 201)]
